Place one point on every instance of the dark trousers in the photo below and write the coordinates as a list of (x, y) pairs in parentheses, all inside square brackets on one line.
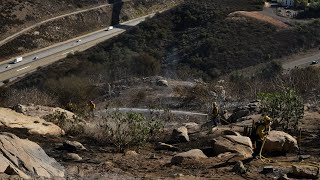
[(216, 121), (258, 147)]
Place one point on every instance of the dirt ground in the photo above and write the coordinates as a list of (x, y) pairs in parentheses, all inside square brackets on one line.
[(100, 161)]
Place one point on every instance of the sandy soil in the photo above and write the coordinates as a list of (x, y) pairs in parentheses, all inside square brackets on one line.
[(257, 16)]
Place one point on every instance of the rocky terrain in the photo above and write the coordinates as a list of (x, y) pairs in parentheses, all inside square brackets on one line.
[(187, 147)]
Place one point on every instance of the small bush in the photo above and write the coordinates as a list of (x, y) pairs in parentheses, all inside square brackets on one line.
[(129, 129), (70, 126), (285, 107), (58, 118)]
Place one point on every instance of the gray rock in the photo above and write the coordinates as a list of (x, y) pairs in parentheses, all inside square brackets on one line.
[(279, 141), (239, 168), (72, 157), (26, 158), (73, 146), (162, 82), (193, 155), (230, 132), (19, 108), (192, 127), (34, 125), (180, 135), (164, 146), (131, 153), (268, 169), (238, 115), (305, 172), (235, 144)]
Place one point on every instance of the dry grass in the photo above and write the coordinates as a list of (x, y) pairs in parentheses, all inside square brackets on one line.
[(259, 17)]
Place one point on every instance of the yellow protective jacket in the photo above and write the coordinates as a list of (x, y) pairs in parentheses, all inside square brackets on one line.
[(92, 106), (215, 112), (262, 130)]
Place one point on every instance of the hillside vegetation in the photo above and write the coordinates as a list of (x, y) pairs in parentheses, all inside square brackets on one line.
[(194, 40), (15, 14)]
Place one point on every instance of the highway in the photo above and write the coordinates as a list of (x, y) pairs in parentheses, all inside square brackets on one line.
[(46, 56)]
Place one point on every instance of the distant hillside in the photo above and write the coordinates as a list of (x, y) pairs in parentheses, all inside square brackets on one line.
[(194, 40), (16, 14), (66, 27)]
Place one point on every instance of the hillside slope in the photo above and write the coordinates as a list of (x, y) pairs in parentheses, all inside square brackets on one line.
[(14, 14), (194, 40), (70, 25)]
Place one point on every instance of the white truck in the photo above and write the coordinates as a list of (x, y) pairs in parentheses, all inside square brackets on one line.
[(18, 59)]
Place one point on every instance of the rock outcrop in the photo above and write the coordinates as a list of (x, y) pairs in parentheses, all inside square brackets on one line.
[(192, 127), (41, 111), (34, 125), (279, 141), (26, 158), (240, 145), (180, 135), (192, 155)]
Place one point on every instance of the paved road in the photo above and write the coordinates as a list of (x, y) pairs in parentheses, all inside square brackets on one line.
[(54, 53), (45, 21), (301, 62), (141, 110)]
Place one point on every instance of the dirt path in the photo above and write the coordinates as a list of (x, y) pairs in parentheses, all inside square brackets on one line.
[(45, 21)]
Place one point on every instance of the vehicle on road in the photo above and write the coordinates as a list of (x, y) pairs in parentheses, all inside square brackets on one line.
[(109, 28), (8, 66), (18, 59), (314, 62), (36, 58), (79, 40)]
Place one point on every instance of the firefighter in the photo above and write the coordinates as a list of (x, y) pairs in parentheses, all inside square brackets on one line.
[(215, 114), (260, 132)]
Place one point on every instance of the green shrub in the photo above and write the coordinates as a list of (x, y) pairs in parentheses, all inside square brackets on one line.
[(129, 129), (286, 108)]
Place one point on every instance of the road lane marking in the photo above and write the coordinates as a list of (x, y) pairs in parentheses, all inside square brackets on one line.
[(23, 68)]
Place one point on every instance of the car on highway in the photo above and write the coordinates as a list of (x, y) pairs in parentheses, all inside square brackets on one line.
[(36, 58), (79, 40), (8, 66), (314, 62), (109, 28)]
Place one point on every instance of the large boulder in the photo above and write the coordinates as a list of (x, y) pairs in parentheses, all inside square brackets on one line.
[(238, 114), (42, 111), (34, 125), (180, 135), (192, 155), (279, 141), (192, 127), (240, 145), (26, 158)]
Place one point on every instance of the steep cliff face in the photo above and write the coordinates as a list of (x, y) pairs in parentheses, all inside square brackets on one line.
[(62, 29)]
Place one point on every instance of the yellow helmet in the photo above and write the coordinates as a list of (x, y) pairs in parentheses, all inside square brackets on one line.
[(267, 119)]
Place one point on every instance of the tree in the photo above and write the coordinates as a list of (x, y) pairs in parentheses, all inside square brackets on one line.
[(145, 65), (286, 108), (301, 3)]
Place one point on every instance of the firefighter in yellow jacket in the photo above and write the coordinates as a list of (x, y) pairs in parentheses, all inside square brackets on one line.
[(261, 130), (215, 114)]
